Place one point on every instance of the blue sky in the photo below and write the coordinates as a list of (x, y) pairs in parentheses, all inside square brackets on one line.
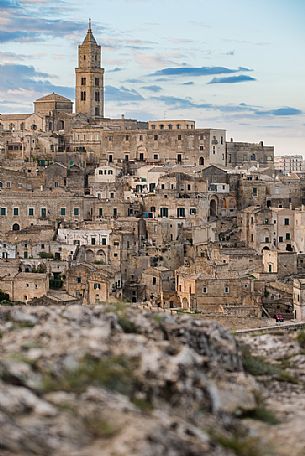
[(237, 65)]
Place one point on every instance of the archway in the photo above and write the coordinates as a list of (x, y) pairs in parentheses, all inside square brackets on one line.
[(201, 161), (16, 227), (101, 256), (213, 208), (90, 256), (185, 304)]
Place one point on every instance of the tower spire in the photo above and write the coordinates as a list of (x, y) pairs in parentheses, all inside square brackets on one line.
[(89, 24)]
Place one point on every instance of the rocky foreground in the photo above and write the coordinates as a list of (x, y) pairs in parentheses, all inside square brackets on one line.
[(116, 381)]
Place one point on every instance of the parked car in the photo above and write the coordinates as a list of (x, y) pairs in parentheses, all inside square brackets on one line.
[(279, 318)]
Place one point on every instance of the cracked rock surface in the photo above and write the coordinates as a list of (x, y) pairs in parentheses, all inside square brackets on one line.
[(118, 381)]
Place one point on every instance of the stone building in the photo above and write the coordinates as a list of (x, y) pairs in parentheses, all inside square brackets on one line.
[(268, 228), (24, 287), (299, 299), (194, 147), (247, 155), (289, 163)]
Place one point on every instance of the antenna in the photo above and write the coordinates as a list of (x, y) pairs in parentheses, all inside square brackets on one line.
[(89, 23)]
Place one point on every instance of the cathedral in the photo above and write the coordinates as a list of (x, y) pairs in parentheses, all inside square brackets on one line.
[(54, 112)]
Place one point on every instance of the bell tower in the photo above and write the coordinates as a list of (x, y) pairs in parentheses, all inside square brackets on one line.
[(89, 96)]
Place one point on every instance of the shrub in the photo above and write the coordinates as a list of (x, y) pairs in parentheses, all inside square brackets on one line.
[(46, 255), (301, 339), (4, 297)]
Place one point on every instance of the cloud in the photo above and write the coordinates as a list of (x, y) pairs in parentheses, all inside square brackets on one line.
[(285, 111), (182, 103), (115, 70), (232, 79), (247, 111), (7, 4), (134, 81), (8, 57), (17, 76), (122, 94), (197, 71), (28, 21), (152, 88)]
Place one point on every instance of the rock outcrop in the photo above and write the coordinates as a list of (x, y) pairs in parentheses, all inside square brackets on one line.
[(116, 381)]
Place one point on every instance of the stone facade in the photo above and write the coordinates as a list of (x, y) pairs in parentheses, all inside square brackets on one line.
[(89, 93)]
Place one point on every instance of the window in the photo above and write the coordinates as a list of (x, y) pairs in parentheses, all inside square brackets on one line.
[(204, 290), (110, 158), (8, 185), (3, 211), (154, 280), (254, 191), (141, 157), (83, 96), (97, 96), (179, 158), (156, 157), (180, 212), (93, 241), (179, 137), (97, 82), (170, 127), (16, 211), (109, 138), (76, 211), (141, 138), (78, 280), (83, 81), (286, 221), (43, 212), (111, 195), (126, 137), (193, 211), (115, 212), (97, 111), (226, 290), (104, 241), (163, 212), (30, 211), (287, 236), (63, 211), (97, 286), (221, 140), (200, 147), (281, 239), (267, 240), (155, 137)]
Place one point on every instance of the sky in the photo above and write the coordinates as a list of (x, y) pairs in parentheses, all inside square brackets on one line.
[(237, 65)]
